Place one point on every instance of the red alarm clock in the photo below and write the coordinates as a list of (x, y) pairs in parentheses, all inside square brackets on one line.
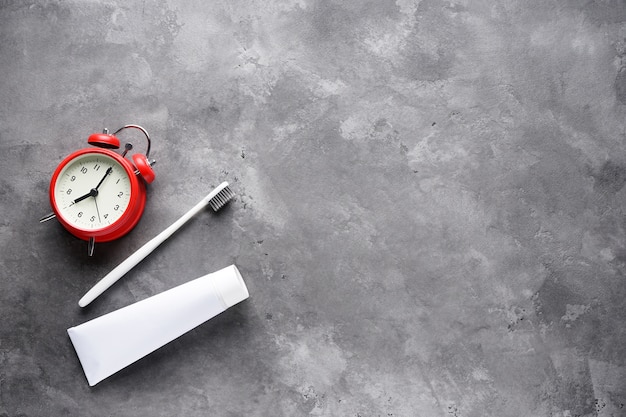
[(97, 194)]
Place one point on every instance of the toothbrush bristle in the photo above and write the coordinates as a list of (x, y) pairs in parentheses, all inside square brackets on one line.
[(220, 199)]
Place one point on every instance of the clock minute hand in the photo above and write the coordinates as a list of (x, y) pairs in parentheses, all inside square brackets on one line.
[(94, 191), (106, 174)]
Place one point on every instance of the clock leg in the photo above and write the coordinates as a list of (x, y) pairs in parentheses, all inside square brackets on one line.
[(91, 245), (47, 217)]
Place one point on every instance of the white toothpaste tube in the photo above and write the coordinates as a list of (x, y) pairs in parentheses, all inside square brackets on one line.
[(113, 341)]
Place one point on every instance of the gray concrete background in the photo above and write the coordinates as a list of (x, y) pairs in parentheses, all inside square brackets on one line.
[(429, 211)]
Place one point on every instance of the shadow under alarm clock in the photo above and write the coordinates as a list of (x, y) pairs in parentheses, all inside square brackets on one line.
[(97, 194)]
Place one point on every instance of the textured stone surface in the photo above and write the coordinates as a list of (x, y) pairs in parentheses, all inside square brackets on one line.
[(429, 210)]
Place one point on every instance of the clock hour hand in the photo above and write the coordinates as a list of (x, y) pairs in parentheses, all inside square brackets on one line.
[(94, 191)]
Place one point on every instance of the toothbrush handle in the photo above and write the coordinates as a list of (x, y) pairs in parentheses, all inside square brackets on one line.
[(128, 264)]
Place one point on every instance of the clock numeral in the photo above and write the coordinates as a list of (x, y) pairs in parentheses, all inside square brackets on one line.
[(118, 181), (120, 194), (69, 191), (92, 219), (80, 214), (116, 207), (83, 170), (96, 167), (73, 178), (106, 216)]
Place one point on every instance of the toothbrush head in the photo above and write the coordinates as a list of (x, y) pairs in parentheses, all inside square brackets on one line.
[(221, 195)]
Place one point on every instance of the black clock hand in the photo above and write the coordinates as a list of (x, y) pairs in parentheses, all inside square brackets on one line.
[(94, 191), (106, 174)]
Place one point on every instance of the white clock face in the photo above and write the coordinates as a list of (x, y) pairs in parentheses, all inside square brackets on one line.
[(92, 191)]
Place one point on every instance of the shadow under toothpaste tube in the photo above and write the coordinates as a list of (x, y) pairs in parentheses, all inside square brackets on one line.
[(115, 340)]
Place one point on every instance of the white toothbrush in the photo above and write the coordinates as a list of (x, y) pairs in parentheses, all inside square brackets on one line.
[(216, 199)]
